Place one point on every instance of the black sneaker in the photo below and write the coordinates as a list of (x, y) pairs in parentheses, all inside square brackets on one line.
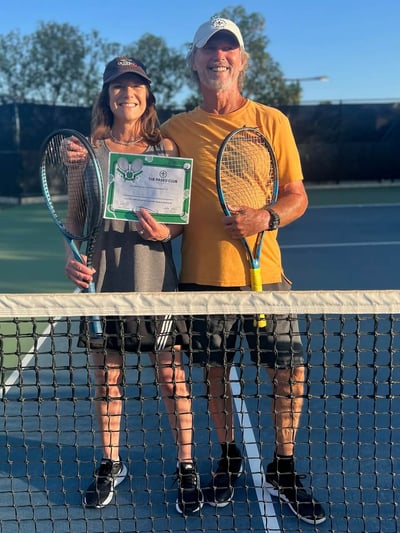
[(289, 489), (221, 488), (190, 497), (106, 478)]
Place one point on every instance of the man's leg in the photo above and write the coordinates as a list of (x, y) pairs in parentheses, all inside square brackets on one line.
[(287, 404), (288, 392), (220, 404)]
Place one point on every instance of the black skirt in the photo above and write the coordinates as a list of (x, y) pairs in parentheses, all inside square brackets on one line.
[(135, 334)]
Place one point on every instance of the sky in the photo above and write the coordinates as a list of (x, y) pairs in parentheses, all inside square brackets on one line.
[(354, 43)]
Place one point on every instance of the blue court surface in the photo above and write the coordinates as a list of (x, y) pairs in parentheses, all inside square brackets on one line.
[(344, 247), (348, 443)]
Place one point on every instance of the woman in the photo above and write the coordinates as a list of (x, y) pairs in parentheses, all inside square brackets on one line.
[(133, 257)]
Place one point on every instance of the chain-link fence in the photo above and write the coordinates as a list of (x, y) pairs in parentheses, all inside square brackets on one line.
[(337, 142)]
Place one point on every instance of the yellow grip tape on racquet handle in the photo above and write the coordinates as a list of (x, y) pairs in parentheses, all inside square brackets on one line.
[(256, 285)]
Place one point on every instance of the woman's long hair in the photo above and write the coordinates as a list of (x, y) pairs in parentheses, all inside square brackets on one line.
[(102, 118)]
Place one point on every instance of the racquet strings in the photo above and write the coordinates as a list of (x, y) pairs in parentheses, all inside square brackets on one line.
[(76, 183), (247, 176)]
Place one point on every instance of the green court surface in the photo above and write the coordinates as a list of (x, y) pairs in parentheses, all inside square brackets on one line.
[(31, 261), (354, 193), (32, 251)]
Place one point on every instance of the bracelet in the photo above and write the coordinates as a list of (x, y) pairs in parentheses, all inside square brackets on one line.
[(167, 238)]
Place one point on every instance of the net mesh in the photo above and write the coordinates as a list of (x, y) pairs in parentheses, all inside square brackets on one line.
[(347, 443)]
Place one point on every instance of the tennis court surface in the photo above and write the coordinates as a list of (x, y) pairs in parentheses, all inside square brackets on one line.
[(348, 443)]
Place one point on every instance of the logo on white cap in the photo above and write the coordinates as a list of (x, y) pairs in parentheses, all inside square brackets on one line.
[(214, 25), (217, 22)]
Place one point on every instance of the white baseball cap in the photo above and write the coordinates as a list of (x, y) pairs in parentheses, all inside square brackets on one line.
[(213, 26)]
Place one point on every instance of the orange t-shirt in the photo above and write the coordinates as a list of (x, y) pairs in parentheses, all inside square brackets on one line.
[(209, 256)]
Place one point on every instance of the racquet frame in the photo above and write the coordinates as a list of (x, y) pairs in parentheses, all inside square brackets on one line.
[(90, 237), (253, 253)]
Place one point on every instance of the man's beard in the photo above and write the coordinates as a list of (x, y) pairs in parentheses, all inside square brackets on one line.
[(219, 85)]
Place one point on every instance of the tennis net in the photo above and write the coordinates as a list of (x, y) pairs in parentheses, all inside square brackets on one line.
[(348, 443)]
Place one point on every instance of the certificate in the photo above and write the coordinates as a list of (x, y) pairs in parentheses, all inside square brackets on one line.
[(157, 183)]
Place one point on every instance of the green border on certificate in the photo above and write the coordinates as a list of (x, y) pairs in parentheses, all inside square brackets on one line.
[(159, 184)]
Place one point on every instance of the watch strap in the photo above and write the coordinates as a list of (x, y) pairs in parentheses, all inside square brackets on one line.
[(274, 220)]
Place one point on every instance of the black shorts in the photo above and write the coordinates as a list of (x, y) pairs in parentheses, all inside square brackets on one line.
[(136, 334), (215, 340)]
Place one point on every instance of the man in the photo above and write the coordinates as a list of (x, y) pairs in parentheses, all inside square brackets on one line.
[(213, 258)]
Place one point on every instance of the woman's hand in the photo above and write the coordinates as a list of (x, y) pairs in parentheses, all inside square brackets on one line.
[(151, 230), (73, 151), (79, 273)]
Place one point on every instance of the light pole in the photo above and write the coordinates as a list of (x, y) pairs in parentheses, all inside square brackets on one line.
[(311, 78), (295, 83)]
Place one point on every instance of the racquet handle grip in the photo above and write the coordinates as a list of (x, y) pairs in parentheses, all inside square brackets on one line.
[(256, 285), (256, 281), (96, 329)]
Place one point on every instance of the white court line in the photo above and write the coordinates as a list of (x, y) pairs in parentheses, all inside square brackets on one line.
[(12, 379), (341, 244), (267, 509), (352, 206)]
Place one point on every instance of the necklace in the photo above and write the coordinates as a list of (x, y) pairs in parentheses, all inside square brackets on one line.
[(126, 143)]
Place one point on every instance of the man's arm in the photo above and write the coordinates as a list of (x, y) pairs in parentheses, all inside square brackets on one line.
[(291, 205)]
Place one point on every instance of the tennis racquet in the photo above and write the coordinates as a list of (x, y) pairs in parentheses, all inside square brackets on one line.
[(78, 183), (247, 175)]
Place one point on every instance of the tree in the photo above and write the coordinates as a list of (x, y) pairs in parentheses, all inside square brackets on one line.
[(97, 53), (60, 65), (264, 80), (56, 69), (166, 67), (14, 67), (57, 65)]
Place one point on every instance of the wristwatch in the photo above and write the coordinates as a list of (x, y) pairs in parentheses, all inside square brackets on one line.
[(274, 220)]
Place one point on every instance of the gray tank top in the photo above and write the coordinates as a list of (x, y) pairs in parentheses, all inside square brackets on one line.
[(125, 262)]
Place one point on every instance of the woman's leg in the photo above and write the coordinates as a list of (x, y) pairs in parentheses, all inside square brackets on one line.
[(171, 378), (108, 374)]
